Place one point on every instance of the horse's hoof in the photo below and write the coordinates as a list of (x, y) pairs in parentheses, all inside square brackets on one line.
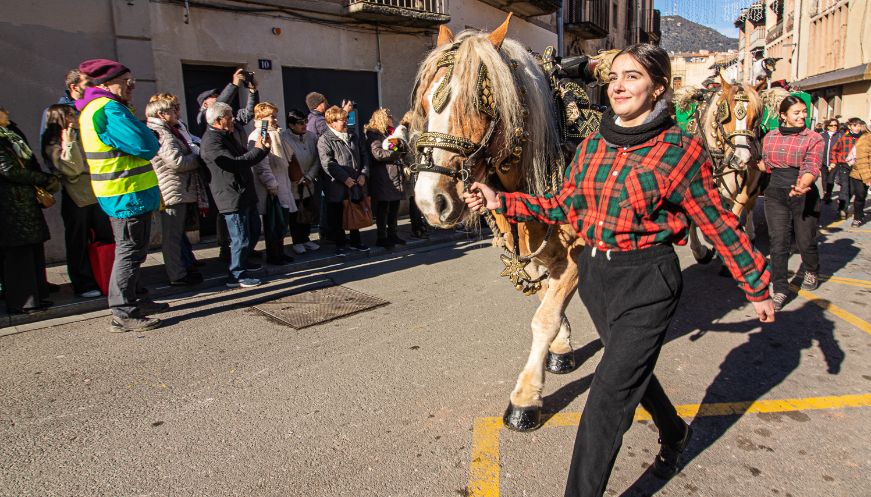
[(522, 418), (561, 363), (707, 257)]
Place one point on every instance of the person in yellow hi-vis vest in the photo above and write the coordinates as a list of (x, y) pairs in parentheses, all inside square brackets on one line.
[(118, 148)]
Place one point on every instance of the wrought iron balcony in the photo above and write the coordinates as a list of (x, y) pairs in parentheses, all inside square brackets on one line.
[(419, 13), (526, 8), (775, 32), (586, 18)]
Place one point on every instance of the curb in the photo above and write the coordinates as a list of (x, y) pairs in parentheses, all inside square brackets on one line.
[(213, 282)]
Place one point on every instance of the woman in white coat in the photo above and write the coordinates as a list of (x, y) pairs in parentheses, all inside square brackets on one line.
[(273, 179)]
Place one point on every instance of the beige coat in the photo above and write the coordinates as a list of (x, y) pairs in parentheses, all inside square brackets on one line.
[(305, 149), (68, 158), (861, 169), (272, 171)]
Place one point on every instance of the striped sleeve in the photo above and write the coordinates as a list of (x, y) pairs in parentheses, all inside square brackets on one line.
[(703, 204)]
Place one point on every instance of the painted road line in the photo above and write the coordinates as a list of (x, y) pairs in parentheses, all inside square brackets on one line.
[(484, 469), (841, 280), (834, 309)]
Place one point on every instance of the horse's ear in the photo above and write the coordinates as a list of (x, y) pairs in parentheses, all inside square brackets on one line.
[(498, 34), (445, 36), (723, 83), (763, 85)]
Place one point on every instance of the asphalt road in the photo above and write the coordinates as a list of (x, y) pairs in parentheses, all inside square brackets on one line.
[(395, 401)]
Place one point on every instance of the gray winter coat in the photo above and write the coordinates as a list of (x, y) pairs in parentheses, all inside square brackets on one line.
[(176, 170), (385, 180), (341, 161)]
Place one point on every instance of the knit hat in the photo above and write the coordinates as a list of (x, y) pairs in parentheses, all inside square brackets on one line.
[(206, 94), (100, 71)]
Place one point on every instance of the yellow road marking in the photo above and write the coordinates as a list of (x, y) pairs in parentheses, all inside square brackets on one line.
[(484, 469), (840, 279), (837, 311)]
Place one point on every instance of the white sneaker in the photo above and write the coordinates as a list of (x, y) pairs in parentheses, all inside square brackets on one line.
[(298, 248), (311, 245), (244, 283), (90, 294)]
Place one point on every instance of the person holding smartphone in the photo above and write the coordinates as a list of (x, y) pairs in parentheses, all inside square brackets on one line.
[(272, 178)]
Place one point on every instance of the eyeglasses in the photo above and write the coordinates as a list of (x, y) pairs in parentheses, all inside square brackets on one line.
[(832, 126)]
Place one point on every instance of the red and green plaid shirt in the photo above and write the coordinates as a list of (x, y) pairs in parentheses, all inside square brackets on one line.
[(802, 151), (635, 197), (842, 147)]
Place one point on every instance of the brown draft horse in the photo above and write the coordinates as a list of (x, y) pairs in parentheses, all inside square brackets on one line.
[(484, 111), (729, 127)]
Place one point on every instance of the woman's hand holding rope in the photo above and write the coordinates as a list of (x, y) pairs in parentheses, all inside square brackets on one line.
[(480, 197)]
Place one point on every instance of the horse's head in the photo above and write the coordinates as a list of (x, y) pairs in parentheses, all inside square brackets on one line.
[(482, 111), (733, 119)]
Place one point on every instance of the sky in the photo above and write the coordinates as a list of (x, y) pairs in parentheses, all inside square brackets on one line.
[(716, 14)]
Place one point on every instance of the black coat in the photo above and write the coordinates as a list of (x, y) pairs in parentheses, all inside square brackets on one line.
[(21, 218), (229, 163), (385, 175), (828, 146), (340, 162)]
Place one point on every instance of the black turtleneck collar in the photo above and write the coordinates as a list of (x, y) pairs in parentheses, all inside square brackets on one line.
[(790, 130), (635, 135)]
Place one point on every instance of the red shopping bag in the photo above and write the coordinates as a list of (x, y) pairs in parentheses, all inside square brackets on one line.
[(102, 257)]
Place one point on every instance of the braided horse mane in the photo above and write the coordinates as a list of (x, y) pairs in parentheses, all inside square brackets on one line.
[(541, 155)]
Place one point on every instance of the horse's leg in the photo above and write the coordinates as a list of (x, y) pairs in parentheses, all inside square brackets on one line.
[(701, 253), (524, 410), (561, 356)]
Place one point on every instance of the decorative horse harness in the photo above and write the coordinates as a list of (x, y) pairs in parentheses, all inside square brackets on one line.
[(515, 264), (724, 142)]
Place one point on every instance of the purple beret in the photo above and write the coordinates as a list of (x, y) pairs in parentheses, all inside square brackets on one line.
[(101, 70)]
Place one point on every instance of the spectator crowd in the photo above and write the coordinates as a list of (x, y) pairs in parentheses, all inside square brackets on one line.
[(114, 173)]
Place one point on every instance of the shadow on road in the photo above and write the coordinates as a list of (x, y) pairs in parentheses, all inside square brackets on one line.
[(753, 369)]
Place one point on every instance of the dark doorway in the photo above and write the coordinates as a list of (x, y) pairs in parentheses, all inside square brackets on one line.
[(197, 79), (336, 85)]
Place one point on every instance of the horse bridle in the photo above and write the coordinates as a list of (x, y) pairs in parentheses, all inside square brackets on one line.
[(472, 152), (725, 140)]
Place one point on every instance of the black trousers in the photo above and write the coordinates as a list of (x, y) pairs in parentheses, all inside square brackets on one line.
[(828, 181), (415, 216), (23, 276), (786, 215), (334, 219), (78, 224), (631, 299), (859, 191), (386, 218)]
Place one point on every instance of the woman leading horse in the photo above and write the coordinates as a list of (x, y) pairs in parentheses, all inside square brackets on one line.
[(629, 195)]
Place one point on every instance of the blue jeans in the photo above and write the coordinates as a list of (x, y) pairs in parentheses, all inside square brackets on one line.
[(843, 177), (244, 229)]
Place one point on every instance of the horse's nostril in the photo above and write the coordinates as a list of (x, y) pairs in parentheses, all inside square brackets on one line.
[(441, 203)]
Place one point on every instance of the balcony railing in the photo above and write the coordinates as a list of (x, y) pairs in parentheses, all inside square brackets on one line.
[(526, 8), (401, 12), (757, 38), (775, 32), (586, 18)]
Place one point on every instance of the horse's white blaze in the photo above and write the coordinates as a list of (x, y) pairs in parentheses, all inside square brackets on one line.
[(742, 153), (427, 186)]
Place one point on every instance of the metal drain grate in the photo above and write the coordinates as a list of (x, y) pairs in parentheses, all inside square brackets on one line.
[(318, 306)]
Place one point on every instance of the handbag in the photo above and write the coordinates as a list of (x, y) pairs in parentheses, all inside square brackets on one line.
[(305, 213), (43, 198), (101, 255), (294, 170), (357, 215), (276, 218)]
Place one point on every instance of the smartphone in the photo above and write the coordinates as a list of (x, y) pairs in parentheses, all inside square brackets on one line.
[(352, 117), (264, 128)]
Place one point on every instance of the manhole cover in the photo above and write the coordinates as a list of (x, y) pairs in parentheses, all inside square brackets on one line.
[(318, 306)]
